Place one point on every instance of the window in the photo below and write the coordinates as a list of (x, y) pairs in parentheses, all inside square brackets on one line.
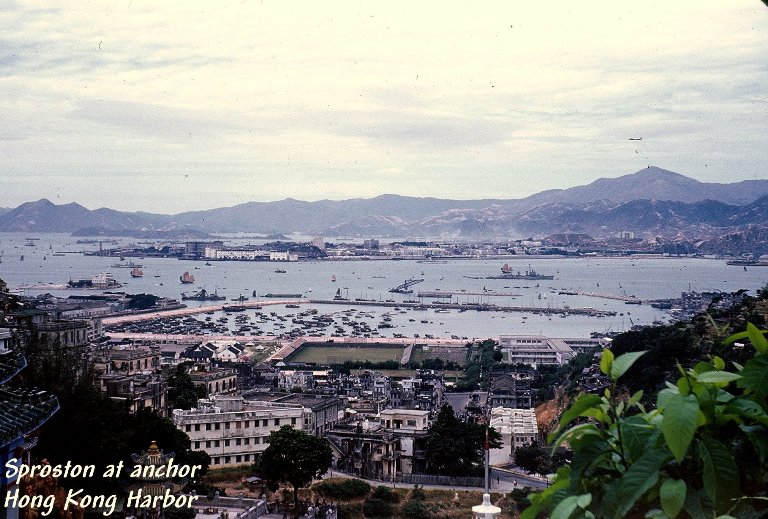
[(411, 423), (207, 427), (238, 425), (215, 461), (217, 426), (247, 424), (247, 441), (238, 459), (277, 421), (227, 459), (293, 421), (216, 443), (226, 426), (238, 441), (188, 427), (247, 457), (208, 444), (197, 445), (265, 423), (256, 440), (226, 443)]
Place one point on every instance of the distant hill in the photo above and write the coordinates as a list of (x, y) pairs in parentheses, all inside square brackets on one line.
[(650, 202), (654, 183)]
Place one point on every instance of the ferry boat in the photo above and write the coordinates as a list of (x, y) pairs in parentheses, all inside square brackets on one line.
[(187, 278)]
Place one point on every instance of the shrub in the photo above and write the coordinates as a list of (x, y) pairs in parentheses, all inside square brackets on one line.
[(374, 508), (416, 509), (349, 510), (418, 493), (386, 494), (343, 490)]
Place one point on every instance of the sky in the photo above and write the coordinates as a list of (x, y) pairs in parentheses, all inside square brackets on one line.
[(175, 106)]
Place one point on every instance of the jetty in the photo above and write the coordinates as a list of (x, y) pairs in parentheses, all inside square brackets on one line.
[(480, 307)]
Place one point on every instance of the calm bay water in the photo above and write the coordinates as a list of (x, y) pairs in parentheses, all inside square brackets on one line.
[(642, 277)]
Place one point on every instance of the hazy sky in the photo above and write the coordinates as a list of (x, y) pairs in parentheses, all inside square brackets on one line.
[(172, 106)]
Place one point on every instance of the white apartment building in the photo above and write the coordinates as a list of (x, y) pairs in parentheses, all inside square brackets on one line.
[(535, 350), (409, 426), (517, 427), (283, 256), (233, 431), (234, 254)]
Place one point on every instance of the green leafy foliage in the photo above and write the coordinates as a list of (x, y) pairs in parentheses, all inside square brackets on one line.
[(701, 452)]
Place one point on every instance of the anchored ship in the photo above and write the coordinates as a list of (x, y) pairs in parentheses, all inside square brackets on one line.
[(202, 295), (530, 274)]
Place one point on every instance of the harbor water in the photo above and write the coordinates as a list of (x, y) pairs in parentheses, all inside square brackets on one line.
[(51, 260)]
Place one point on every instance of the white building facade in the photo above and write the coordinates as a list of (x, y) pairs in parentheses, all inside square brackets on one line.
[(233, 431)]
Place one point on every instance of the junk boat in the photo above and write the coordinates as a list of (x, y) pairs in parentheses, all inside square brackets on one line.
[(136, 272), (187, 278)]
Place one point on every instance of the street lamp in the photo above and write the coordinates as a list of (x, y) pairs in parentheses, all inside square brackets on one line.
[(485, 510)]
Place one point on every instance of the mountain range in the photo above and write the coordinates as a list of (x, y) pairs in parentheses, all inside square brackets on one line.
[(652, 202)]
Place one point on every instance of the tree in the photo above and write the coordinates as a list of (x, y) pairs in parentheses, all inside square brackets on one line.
[(455, 448), (182, 392), (539, 459), (294, 457)]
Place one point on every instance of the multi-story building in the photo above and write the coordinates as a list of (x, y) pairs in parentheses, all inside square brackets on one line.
[(233, 431), (535, 350), (518, 427), (509, 388), (128, 362), (215, 381), (410, 427), (289, 380), (321, 413), (138, 391)]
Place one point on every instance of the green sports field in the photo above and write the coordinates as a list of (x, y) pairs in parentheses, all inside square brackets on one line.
[(324, 355)]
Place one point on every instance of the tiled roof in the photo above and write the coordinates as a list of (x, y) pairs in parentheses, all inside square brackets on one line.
[(22, 411), (11, 362)]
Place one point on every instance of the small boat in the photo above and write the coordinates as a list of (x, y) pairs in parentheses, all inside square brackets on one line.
[(136, 272), (280, 271), (333, 278), (187, 278)]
